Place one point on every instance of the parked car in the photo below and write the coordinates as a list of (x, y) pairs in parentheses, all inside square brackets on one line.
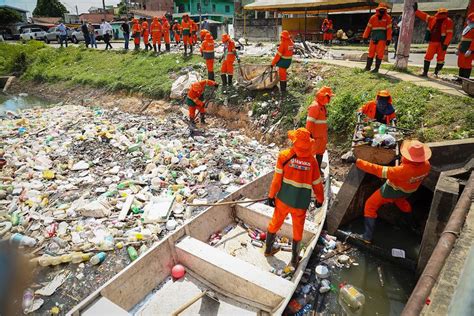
[(33, 34), (53, 34), (77, 35), (6, 34)]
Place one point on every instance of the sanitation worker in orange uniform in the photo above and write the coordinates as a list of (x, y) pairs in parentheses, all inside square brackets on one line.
[(401, 182), (327, 29), (207, 51), (165, 29), (466, 48), (186, 27), (379, 29), (194, 29), (439, 33), (380, 109), (177, 32), (296, 175), (283, 58), (230, 54), (146, 35), (195, 99), (136, 33), (156, 33), (202, 34), (316, 122)]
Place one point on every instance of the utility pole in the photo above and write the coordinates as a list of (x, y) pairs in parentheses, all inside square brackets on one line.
[(77, 11), (103, 7), (406, 35), (200, 14)]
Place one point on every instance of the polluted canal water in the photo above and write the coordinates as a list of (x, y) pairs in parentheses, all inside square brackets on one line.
[(20, 102)]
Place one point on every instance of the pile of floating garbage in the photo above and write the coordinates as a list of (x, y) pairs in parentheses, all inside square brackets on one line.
[(86, 191)]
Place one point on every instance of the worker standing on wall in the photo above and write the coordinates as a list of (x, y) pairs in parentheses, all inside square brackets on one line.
[(156, 33), (316, 122), (381, 109), (379, 29), (136, 33), (186, 27), (296, 175), (230, 54), (207, 51), (165, 29), (283, 58), (194, 99), (466, 48), (439, 32), (402, 181)]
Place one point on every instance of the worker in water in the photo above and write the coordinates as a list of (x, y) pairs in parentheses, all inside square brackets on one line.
[(136, 33), (466, 48), (202, 34), (195, 99), (381, 109), (207, 51), (186, 27), (156, 33), (283, 58), (439, 33), (165, 31), (401, 182), (146, 34), (230, 54), (296, 175), (379, 29), (316, 121), (194, 29), (327, 28), (177, 32)]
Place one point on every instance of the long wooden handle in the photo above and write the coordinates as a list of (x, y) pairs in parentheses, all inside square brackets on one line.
[(229, 203), (191, 302)]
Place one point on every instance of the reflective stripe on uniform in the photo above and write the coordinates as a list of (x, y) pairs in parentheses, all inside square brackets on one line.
[(318, 181), (393, 186), (465, 39), (379, 28), (384, 172), (277, 170), (315, 121), (297, 184)]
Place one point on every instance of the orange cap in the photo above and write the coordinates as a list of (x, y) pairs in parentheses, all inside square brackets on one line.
[(285, 34), (442, 10), (135, 20), (325, 91), (225, 37), (209, 37), (383, 93), (415, 151), (301, 138), (155, 18)]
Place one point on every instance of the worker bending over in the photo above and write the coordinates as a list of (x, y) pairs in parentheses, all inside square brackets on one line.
[(379, 29), (316, 122), (230, 54), (156, 33), (283, 58), (146, 35), (186, 27), (380, 109), (207, 51), (401, 182), (466, 48), (296, 175), (195, 99), (177, 32), (439, 33), (165, 29), (136, 33)]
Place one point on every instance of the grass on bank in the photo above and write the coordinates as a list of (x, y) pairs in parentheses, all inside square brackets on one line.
[(431, 114)]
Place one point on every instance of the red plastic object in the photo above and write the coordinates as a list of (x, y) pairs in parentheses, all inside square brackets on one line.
[(263, 236), (178, 272)]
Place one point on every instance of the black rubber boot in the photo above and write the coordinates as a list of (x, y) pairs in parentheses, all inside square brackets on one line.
[(229, 80), (295, 253), (203, 118), (369, 227), (283, 86), (159, 48), (370, 61), (468, 73), (224, 80), (210, 75), (137, 47), (378, 62), (438, 69), (191, 49), (426, 68), (154, 47), (168, 47), (185, 50), (269, 250)]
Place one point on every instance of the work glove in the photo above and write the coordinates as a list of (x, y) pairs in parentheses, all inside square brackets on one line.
[(388, 43), (444, 47), (271, 202), (216, 85), (394, 122), (360, 115), (468, 53), (415, 6)]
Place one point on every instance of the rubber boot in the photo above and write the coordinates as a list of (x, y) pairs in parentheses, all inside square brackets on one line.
[(370, 61), (369, 226), (283, 87), (269, 250), (137, 47), (154, 47), (426, 68), (438, 69), (295, 253), (378, 62), (159, 48), (168, 47), (468, 73), (192, 122), (185, 50), (210, 75), (203, 118), (191, 49), (224, 80), (229, 80)]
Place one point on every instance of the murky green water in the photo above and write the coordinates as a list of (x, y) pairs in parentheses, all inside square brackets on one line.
[(16, 103)]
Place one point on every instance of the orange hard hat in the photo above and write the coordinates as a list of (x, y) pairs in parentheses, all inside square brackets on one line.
[(302, 141), (285, 34), (325, 91), (415, 151), (383, 93), (225, 37), (209, 37)]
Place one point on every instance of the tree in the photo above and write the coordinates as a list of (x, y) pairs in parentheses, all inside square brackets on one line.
[(406, 35), (52, 8), (122, 7), (9, 16)]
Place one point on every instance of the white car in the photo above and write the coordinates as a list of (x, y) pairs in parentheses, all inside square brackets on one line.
[(33, 34), (77, 35)]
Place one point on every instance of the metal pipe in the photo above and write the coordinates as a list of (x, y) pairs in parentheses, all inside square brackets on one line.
[(443, 248)]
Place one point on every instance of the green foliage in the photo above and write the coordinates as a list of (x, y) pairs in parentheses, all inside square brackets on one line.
[(9, 16), (122, 7), (14, 59), (53, 8)]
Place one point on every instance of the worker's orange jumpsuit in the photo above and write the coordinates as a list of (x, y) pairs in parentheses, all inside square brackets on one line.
[(156, 32), (439, 33), (379, 31), (186, 27), (177, 32), (401, 182), (230, 53), (327, 29), (194, 29), (466, 44), (145, 33), (202, 34), (316, 124), (136, 33), (370, 110), (195, 97), (296, 175), (207, 51), (283, 57), (165, 30)]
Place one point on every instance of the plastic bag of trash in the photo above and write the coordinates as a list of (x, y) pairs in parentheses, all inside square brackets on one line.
[(182, 84)]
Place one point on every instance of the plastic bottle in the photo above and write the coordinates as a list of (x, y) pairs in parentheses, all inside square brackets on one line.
[(142, 250), (382, 129), (351, 300), (22, 240), (119, 245), (98, 258), (132, 253), (28, 298), (79, 257)]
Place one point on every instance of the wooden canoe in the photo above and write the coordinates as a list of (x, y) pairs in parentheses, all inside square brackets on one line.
[(235, 270)]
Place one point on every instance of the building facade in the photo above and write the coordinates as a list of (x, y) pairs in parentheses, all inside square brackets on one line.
[(156, 5), (218, 10)]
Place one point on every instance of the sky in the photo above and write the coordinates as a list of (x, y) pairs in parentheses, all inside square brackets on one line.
[(84, 5)]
